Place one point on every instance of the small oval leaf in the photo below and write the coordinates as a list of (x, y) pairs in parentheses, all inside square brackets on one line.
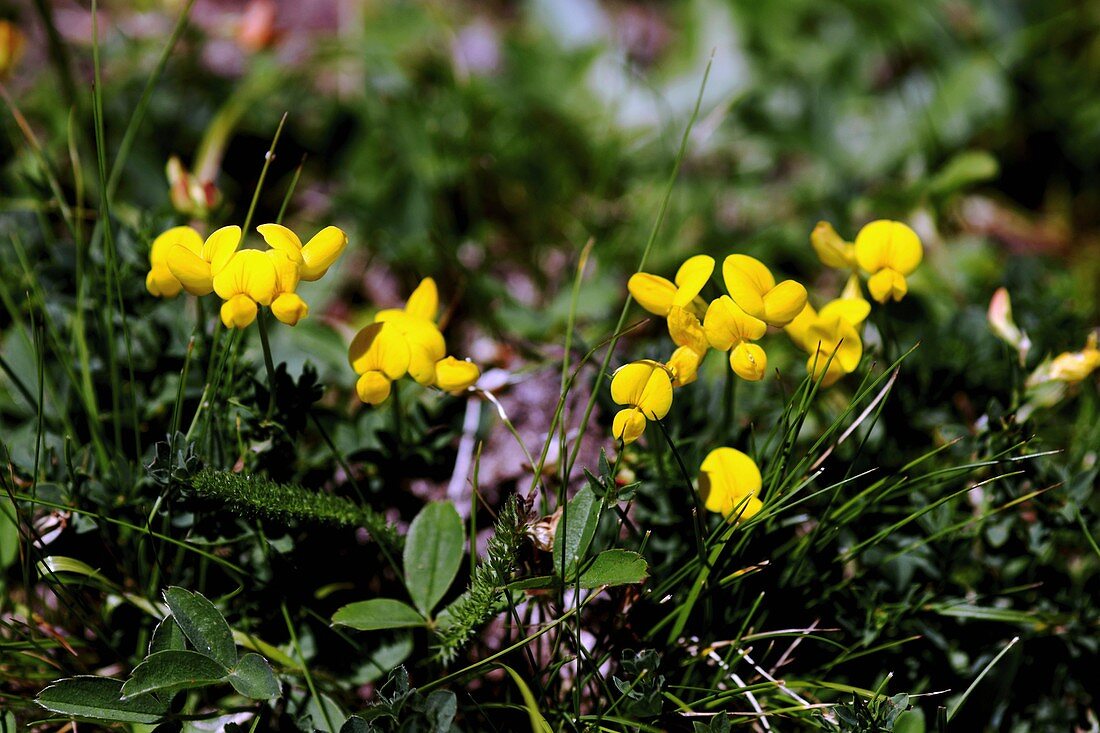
[(100, 699), (378, 613), (203, 625), (433, 554), (173, 670)]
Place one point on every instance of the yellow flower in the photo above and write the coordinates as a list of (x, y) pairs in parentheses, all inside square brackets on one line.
[(686, 330), (684, 365), (888, 251), (831, 330), (246, 281), (160, 281), (645, 389), (831, 248), (456, 375), (416, 323), (379, 354), (729, 483), (315, 257), (11, 46), (196, 267), (657, 295), (753, 288), (729, 328)]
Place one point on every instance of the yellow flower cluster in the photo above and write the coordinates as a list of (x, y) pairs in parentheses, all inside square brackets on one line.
[(885, 251), (244, 279), (408, 341)]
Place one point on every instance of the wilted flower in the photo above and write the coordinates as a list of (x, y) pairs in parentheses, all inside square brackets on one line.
[(1000, 320), (12, 41)]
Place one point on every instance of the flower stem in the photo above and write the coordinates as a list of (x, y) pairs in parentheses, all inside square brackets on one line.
[(262, 320)]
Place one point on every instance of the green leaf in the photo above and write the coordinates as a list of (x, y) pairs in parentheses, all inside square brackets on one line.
[(253, 678), (538, 723), (203, 625), (378, 613), (100, 699), (433, 554), (963, 170), (576, 528), (167, 636), (9, 532), (173, 670), (324, 714), (614, 567)]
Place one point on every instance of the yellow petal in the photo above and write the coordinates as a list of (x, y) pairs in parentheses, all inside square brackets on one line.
[(286, 271), (192, 271), (748, 361), (162, 245), (220, 246), (628, 426), (421, 365), (321, 252), (643, 384), (379, 347), (799, 328), (686, 330), (238, 312), (248, 272), (281, 239), (783, 302), (852, 310), (654, 293), (727, 478), (726, 324), (747, 281), (456, 375), (888, 244), (831, 248), (839, 349), (161, 282), (373, 387), (424, 301), (886, 284), (289, 308), (691, 277), (684, 365)]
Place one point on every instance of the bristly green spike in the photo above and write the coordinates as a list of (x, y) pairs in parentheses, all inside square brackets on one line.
[(262, 497)]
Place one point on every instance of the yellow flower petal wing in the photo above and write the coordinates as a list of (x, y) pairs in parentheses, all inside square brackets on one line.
[(238, 312), (747, 281), (191, 270), (220, 247), (783, 302), (654, 293), (799, 328), (684, 365), (289, 308), (373, 387), (691, 277), (852, 310), (887, 284), (379, 347), (322, 251), (456, 375), (282, 239), (248, 272), (628, 425)]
